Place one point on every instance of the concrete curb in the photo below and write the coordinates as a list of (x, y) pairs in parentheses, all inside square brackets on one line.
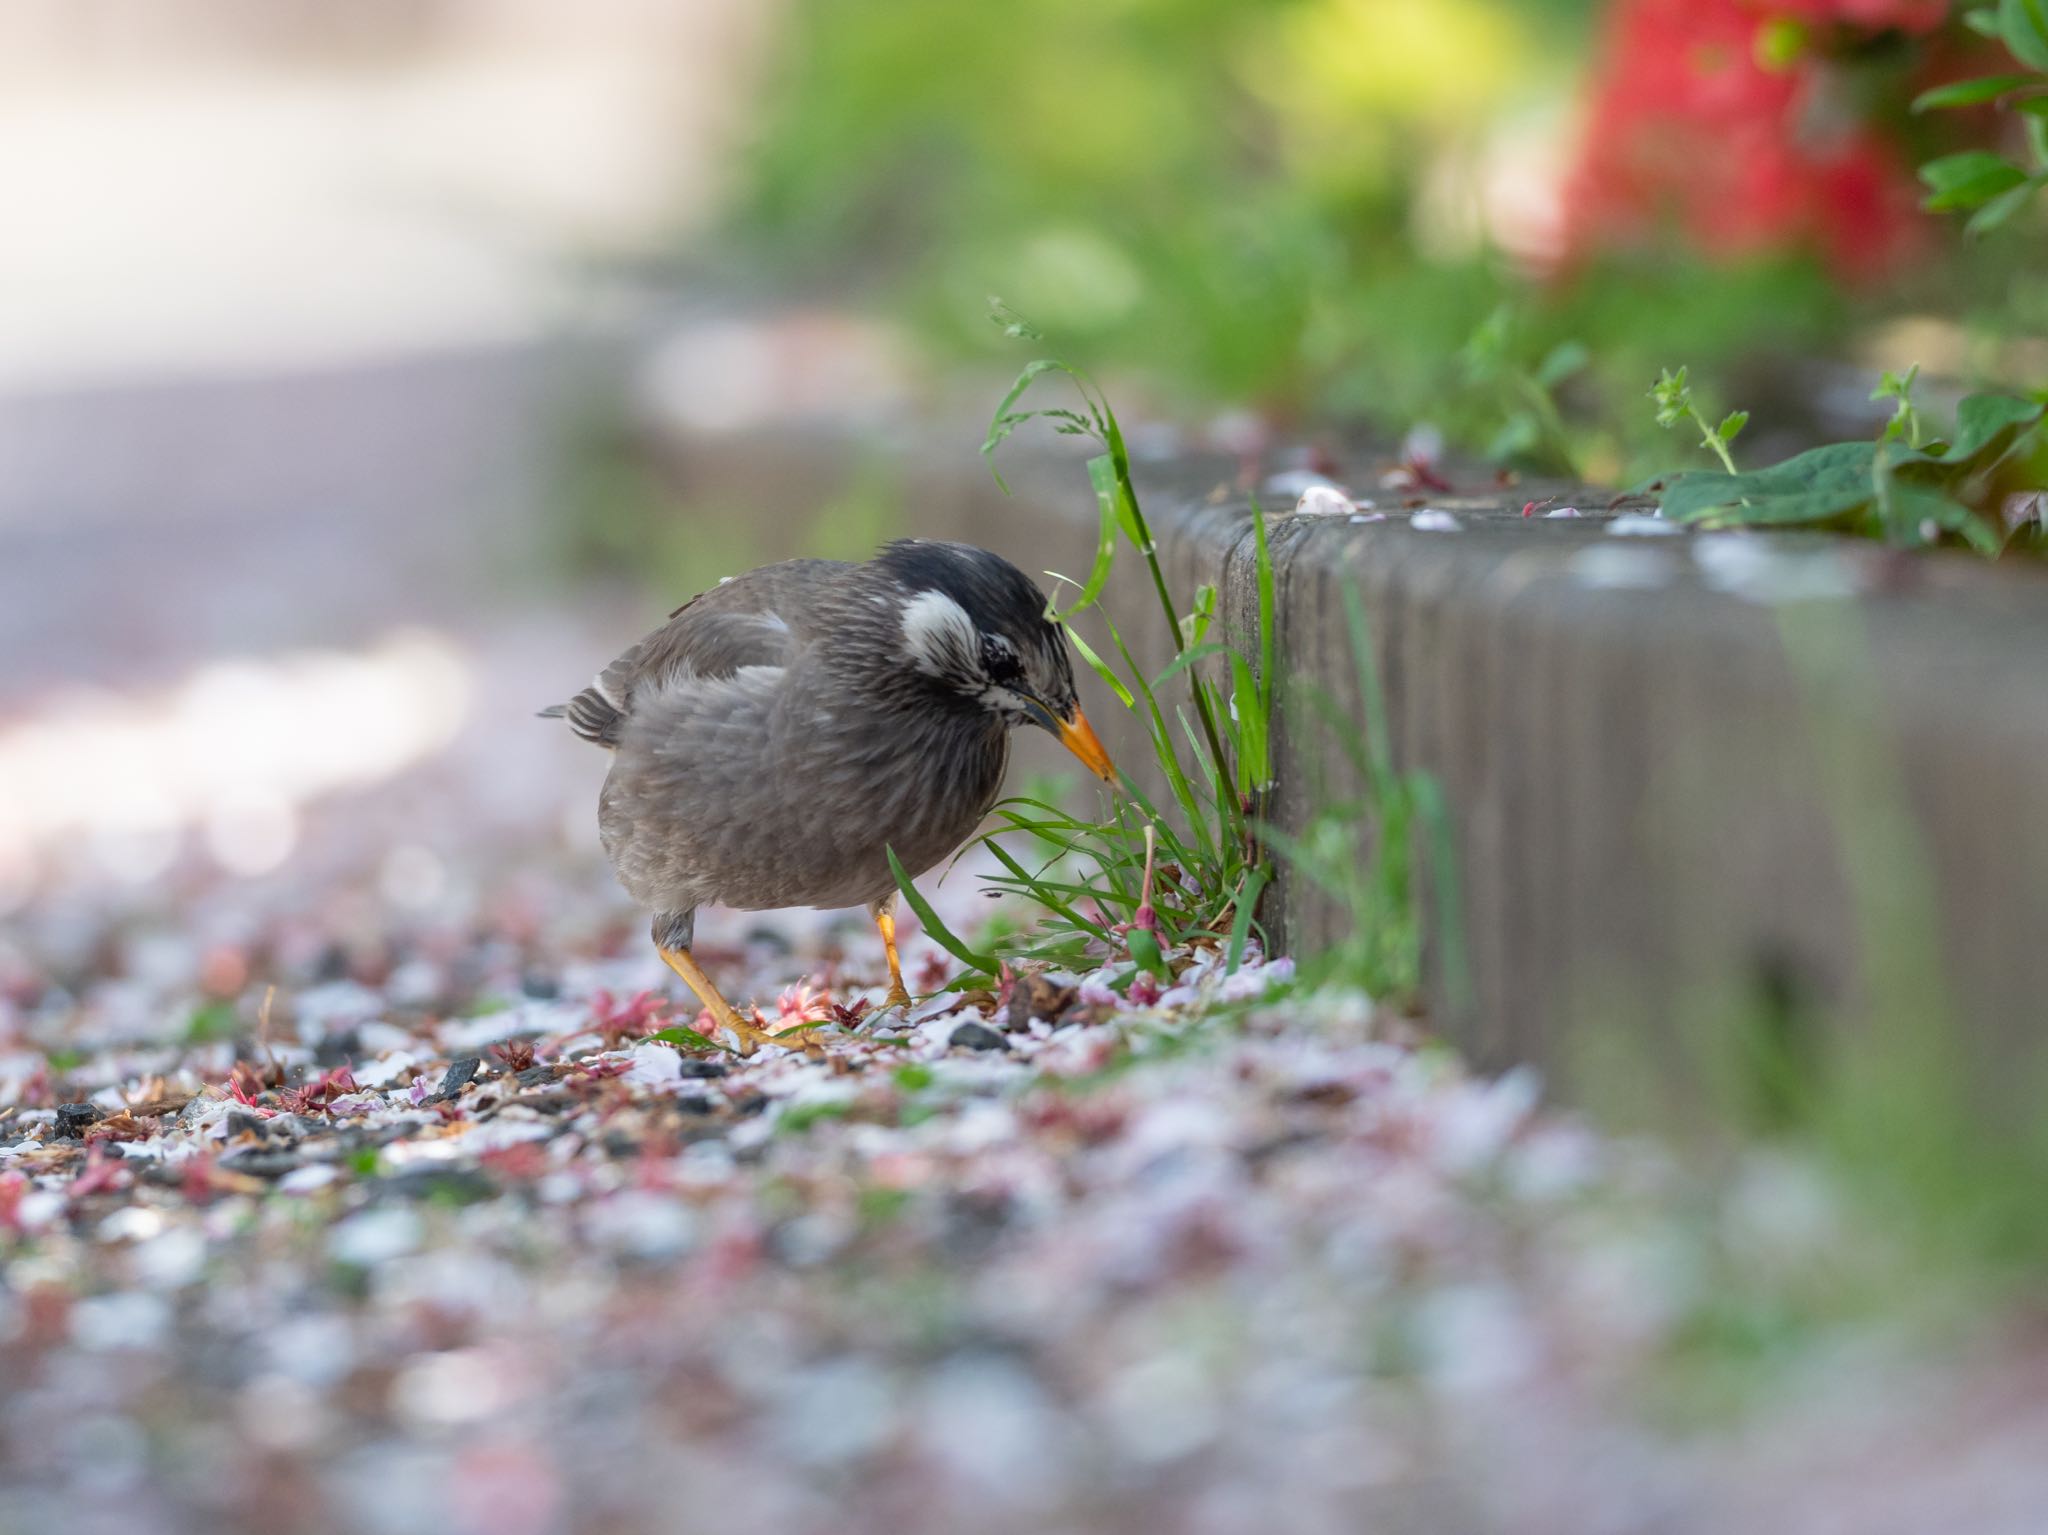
[(1694, 779)]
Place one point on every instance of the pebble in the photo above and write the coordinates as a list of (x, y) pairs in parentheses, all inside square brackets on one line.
[(458, 1076), (73, 1119), (976, 1036)]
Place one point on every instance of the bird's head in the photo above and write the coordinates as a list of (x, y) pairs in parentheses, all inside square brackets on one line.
[(974, 625)]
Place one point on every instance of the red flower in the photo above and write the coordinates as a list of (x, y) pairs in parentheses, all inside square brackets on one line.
[(1691, 130)]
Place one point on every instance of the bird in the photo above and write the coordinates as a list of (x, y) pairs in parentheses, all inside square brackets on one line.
[(787, 728)]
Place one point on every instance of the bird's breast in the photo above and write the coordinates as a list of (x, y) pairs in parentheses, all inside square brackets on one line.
[(800, 810)]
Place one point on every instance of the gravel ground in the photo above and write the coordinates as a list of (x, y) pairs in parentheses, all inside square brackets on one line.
[(437, 1239)]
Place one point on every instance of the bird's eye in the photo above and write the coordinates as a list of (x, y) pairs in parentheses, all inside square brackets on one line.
[(1000, 661)]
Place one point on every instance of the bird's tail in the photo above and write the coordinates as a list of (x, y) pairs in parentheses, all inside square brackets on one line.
[(591, 715)]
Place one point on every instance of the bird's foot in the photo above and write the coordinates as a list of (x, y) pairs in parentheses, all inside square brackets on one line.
[(897, 997), (801, 1036)]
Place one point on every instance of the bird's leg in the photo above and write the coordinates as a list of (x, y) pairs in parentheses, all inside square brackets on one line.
[(885, 919), (723, 1012)]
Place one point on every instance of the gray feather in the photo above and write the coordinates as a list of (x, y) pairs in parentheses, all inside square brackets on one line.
[(772, 740)]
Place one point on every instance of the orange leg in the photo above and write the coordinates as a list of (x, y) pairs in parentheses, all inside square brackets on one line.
[(885, 919), (727, 1016)]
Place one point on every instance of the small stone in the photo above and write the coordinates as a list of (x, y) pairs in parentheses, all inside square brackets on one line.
[(72, 1119), (540, 986), (457, 1077), (533, 1076), (694, 1067), (975, 1036), (1323, 501), (260, 1161), (242, 1122)]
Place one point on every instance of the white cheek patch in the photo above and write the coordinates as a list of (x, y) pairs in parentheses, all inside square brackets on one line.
[(1005, 702), (939, 637)]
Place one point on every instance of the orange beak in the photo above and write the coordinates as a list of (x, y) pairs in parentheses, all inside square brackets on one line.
[(1078, 736)]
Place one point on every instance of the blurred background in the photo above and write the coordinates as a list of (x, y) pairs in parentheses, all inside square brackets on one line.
[(352, 357), (371, 371)]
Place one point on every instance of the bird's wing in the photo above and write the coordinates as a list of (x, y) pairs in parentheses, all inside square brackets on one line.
[(758, 620)]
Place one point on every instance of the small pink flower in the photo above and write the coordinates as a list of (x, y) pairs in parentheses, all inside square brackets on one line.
[(797, 1004), (102, 1173)]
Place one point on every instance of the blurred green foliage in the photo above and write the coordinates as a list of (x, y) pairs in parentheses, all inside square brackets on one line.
[(1216, 186), (1269, 202), (1275, 203)]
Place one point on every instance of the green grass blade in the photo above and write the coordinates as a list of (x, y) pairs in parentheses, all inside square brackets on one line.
[(940, 934), (1189, 657), (1100, 667), (1043, 890), (1250, 755), (1255, 881)]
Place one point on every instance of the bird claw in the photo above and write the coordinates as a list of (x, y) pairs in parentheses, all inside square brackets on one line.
[(897, 997)]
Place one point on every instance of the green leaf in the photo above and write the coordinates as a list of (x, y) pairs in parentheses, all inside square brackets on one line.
[(1269, 604), (1989, 423), (690, 1039), (1101, 668), (1105, 556), (1970, 93), (1114, 496), (1845, 481), (1562, 361), (2035, 125), (1195, 627), (1192, 656), (938, 932), (1896, 386), (1007, 418), (1968, 179), (1014, 325), (1983, 21), (1146, 953), (1042, 890), (1162, 744), (1253, 768), (1247, 901), (1822, 485), (2001, 208), (2023, 25), (1731, 425)]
